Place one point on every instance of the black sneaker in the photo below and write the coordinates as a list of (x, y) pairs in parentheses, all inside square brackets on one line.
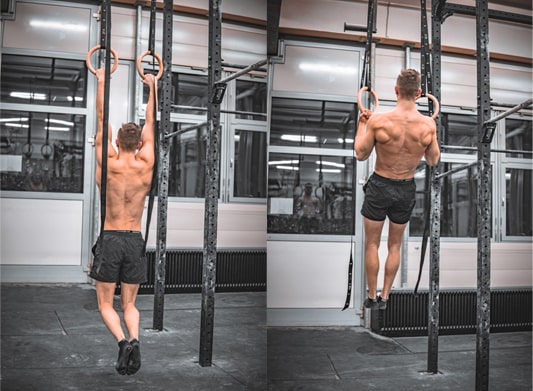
[(371, 303), (124, 351), (134, 363), (382, 303)]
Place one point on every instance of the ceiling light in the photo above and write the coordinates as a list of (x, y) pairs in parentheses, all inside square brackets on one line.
[(27, 95), (298, 138)]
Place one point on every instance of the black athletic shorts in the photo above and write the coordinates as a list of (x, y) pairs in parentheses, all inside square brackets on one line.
[(122, 258), (384, 197)]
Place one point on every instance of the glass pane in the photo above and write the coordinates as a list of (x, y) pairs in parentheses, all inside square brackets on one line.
[(189, 93), (42, 152), (43, 81), (458, 202), (250, 164), (518, 205), (309, 194), (518, 137), (251, 98), (460, 131), (187, 162), (312, 123)]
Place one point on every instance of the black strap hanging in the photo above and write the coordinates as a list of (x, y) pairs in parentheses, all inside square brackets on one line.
[(105, 43), (365, 81), (350, 273), (153, 188), (367, 59)]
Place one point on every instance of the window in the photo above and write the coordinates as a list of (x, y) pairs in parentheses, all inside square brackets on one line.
[(250, 100), (42, 152), (250, 167), (242, 138), (310, 194), (312, 123), (518, 202), (42, 125), (43, 81), (518, 136), (458, 202)]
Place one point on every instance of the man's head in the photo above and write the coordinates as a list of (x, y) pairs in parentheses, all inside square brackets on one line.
[(129, 137), (408, 84)]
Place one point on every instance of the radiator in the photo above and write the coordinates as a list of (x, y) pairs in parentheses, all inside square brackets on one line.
[(237, 270), (407, 314)]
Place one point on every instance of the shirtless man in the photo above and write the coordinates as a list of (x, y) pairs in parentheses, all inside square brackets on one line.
[(122, 259), (401, 138)]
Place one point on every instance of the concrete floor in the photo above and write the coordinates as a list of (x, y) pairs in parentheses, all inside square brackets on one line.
[(52, 338)]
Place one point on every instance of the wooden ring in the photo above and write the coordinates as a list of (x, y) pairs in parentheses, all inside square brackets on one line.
[(436, 105), (88, 59), (157, 57), (360, 97)]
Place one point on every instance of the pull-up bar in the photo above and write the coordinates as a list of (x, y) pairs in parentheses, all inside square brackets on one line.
[(507, 113), (192, 127), (243, 71), (455, 170)]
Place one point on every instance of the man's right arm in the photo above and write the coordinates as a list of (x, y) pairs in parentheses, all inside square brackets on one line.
[(98, 141)]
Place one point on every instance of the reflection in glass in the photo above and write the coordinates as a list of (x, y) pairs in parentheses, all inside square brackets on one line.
[(43, 81), (312, 123), (310, 194), (459, 130), (458, 202), (251, 98), (189, 93), (250, 164), (518, 136), (41, 152), (187, 162), (518, 202)]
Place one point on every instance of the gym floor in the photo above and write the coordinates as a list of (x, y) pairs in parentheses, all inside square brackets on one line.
[(53, 339)]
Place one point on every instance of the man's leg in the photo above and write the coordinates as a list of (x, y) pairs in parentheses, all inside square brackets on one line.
[(393, 258), (372, 240), (105, 292), (132, 319)]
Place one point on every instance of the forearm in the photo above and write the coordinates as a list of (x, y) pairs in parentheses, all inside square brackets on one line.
[(362, 150)]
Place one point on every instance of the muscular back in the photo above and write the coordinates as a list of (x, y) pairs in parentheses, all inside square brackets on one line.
[(128, 182), (401, 138)]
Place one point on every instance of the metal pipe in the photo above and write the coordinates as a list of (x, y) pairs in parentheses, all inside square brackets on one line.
[(222, 111), (507, 113), (455, 170), (460, 148), (243, 71), (192, 127)]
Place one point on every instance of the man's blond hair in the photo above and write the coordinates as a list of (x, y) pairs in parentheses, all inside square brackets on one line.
[(408, 83)]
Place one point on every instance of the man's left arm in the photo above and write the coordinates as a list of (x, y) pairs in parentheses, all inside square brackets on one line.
[(147, 136), (364, 139)]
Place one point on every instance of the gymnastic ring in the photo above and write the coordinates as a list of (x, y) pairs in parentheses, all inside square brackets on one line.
[(88, 59), (157, 57), (360, 97), (436, 105)]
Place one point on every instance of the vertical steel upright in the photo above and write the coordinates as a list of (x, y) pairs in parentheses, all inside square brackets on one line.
[(484, 208), (435, 199), (211, 186), (164, 152)]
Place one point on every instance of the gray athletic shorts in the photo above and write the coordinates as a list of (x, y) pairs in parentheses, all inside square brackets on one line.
[(121, 258), (392, 198)]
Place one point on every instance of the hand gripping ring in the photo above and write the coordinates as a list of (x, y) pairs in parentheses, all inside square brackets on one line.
[(157, 57), (436, 105), (360, 98), (88, 59)]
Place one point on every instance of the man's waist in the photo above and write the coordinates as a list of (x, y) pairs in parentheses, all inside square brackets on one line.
[(394, 180)]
